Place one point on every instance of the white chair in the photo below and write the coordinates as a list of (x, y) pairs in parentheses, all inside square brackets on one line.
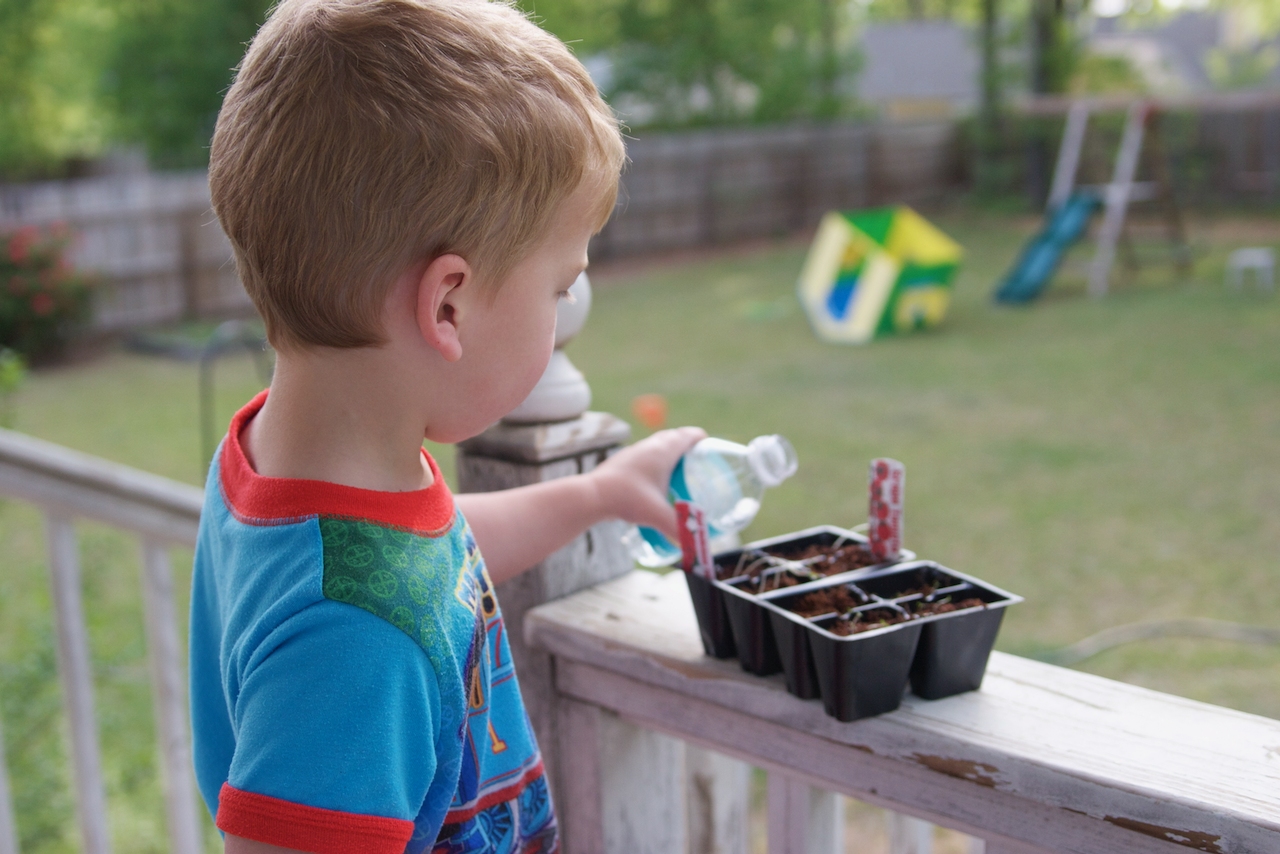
[(1261, 260)]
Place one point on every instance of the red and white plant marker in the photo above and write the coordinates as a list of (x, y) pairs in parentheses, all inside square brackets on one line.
[(886, 480), (695, 545)]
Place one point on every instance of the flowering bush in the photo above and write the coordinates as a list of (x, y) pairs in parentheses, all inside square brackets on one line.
[(42, 298)]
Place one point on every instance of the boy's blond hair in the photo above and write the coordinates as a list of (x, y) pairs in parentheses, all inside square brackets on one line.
[(363, 136)]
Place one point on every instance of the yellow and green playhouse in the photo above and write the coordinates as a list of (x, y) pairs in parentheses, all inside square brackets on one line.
[(876, 272)]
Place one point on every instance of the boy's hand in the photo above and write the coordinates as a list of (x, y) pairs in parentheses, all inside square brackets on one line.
[(516, 528), (632, 484)]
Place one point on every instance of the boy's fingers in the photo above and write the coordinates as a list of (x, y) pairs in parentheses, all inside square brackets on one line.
[(664, 519), (684, 438)]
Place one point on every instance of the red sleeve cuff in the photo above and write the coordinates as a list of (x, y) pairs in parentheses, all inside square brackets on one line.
[(289, 825)]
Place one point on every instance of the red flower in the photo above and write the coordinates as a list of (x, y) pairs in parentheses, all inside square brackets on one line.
[(20, 244), (42, 304)]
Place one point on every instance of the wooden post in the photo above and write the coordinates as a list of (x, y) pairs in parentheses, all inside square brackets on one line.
[(1117, 198), (708, 204), (788, 814), (825, 829), (719, 790), (1068, 165), (169, 691), (642, 775), (1271, 152), (579, 804), (618, 788), (188, 225), (1165, 193), (8, 827), (507, 456), (803, 819), (908, 835), (76, 670)]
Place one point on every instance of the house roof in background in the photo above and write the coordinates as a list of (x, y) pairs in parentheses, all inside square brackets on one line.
[(919, 60), (1171, 56)]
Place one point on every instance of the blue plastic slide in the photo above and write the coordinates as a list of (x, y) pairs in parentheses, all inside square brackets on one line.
[(1040, 258)]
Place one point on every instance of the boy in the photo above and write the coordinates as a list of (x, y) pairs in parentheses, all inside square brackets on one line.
[(409, 186)]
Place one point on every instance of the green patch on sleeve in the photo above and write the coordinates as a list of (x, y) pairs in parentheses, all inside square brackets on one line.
[(393, 574)]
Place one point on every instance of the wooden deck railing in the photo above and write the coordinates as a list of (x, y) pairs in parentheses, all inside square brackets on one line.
[(1042, 759), (68, 485)]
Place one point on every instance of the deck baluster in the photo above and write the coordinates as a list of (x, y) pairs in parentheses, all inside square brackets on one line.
[(803, 819), (169, 691), (76, 671), (8, 828)]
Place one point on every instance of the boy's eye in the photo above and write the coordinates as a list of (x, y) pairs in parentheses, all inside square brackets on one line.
[(570, 298)]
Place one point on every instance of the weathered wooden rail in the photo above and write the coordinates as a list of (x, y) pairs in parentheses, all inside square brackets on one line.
[(1042, 759), (68, 485)]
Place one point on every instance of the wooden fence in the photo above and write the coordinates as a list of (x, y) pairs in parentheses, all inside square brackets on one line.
[(721, 186), (1227, 157), (162, 256), (1222, 149), (151, 239)]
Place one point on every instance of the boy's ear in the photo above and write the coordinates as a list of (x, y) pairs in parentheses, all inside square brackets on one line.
[(439, 306)]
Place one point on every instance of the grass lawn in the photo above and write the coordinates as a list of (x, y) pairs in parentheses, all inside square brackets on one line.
[(1112, 461)]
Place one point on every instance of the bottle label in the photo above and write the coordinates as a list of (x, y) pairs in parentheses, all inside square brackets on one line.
[(695, 547), (886, 480)]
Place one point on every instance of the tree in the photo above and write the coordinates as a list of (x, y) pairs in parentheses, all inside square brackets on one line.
[(172, 62), (1052, 62), (678, 62), (21, 150), (990, 126)]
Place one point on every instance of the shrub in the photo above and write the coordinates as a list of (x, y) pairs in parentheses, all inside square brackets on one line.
[(13, 370), (42, 298)]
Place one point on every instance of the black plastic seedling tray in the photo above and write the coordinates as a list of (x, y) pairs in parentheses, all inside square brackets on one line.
[(713, 619), (730, 619), (954, 646), (866, 673), (752, 634)]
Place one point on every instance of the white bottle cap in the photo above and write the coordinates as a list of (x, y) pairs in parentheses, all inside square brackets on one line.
[(772, 459)]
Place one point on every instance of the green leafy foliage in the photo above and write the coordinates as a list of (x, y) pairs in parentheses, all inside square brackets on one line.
[(36, 755), (1242, 68), (19, 19), (79, 77), (703, 62), (171, 64), (13, 371), (52, 55), (1106, 75), (41, 297)]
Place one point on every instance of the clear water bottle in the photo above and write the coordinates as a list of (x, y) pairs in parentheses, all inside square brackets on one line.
[(727, 481)]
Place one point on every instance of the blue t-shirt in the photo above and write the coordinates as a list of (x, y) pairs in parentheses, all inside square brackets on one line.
[(351, 684)]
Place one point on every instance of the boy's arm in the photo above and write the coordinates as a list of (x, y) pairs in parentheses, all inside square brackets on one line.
[(516, 528)]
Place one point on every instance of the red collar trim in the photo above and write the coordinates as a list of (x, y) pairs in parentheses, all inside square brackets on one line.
[(278, 500)]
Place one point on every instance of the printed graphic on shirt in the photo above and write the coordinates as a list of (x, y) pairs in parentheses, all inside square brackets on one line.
[(525, 824), (437, 591)]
